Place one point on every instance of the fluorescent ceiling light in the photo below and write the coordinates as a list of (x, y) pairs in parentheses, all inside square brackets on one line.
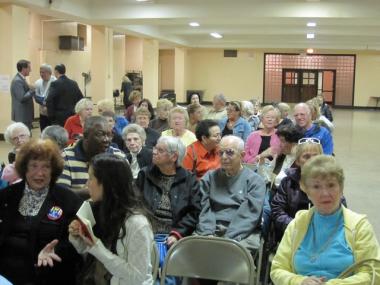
[(142, 0), (311, 24), (310, 36), (216, 35), (194, 24), (310, 50)]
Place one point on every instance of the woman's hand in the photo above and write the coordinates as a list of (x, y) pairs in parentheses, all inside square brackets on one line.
[(76, 230), (47, 255), (313, 280)]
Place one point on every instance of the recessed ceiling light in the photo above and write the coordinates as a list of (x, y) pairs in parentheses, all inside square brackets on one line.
[(216, 35), (310, 50), (311, 24), (194, 24), (310, 36), (142, 0)]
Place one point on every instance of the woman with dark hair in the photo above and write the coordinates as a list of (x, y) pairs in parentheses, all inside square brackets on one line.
[(122, 252), (147, 104), (234, 123), (34, 216)]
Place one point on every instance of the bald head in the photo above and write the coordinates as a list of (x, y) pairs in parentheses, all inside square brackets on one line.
[(302, 115)]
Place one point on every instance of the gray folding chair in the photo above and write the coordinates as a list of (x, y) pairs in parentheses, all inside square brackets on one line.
[(155, 258), (210, 258)]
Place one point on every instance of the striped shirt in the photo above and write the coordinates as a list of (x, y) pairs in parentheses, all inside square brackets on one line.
[(75, 170)]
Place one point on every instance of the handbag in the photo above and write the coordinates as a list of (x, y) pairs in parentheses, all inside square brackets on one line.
[(366, 262)]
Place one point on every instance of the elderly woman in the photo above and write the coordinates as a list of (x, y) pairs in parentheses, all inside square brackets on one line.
[(178, 121), (34, 215), (138, 155), (195, 116), (107, 105), (324, 241), (161, 123), (197, 99), (170, 192), (284, 109), (249, 113), (202, 156), (234, 123), (264, 141), (142, 116), (16, 134), (316, 115), (289, 198), (117, 140), (74, 124), (57, 134), (124, 244), (135, 97)]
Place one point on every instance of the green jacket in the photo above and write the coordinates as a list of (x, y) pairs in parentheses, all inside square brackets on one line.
[(360, 238)]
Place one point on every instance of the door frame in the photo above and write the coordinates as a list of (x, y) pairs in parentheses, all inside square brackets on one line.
[(299, 79)]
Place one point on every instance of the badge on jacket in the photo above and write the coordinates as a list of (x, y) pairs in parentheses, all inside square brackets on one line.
[(55, 213)]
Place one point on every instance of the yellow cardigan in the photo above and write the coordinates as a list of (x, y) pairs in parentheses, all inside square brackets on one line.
[(360, 238)]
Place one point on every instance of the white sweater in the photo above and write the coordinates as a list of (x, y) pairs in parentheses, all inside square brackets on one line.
[(132, 265)]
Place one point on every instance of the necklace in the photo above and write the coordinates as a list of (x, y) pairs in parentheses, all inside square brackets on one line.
[(314, 256)]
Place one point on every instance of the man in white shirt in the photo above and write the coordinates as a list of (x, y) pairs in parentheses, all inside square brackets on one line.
[(42, 87), (218, 110)]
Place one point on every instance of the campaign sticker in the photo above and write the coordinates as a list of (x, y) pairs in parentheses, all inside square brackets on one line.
[(55, 213)]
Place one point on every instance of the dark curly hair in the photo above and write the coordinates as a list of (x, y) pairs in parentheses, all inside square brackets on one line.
[(290, 133), (40, 150)]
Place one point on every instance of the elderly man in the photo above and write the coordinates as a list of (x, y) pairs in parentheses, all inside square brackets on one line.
[(232, 198), (170, 192), (201, 156), (302, 116), (22, 95), (96, 139), (42, 87), (218, 110)]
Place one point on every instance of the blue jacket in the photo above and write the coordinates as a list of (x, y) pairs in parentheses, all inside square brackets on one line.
[(242, 129), (323, 135), (120, 124)]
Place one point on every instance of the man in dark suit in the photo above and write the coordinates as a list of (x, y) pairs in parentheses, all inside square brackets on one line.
[(64, 93), (22, 95)]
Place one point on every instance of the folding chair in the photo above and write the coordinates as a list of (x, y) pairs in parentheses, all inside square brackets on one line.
[(155, 258), (210, 258)]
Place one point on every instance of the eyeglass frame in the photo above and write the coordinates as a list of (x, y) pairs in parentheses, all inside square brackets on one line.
[(309, 140)]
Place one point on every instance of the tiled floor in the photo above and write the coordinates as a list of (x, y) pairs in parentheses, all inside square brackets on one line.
[(357, 147)]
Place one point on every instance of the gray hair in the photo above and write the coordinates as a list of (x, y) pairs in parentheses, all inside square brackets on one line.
[(91, 122), (221, 97), (11, 128), (47, 67), (238, 142), (247, 109), (83, 104), (57, 134), (134, 128), (174, 145), (305, 106)]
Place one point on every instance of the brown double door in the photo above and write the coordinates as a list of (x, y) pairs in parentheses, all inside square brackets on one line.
[(299, 85)]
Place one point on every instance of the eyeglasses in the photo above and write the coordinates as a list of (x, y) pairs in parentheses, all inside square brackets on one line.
[(19, 137), (229, 152), (309, 140), (160, 150)]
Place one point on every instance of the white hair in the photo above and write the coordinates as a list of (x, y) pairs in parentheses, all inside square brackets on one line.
[(11, 128), (174, 145), (237, 142)]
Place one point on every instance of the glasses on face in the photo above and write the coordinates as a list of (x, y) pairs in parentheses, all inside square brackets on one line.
[(160, 150), (19, 137), (229, 152), (309, 140)]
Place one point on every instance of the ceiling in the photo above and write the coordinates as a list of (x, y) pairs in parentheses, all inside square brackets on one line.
[(341, 24)]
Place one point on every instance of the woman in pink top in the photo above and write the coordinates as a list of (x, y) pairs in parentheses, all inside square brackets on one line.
[(264, 142)]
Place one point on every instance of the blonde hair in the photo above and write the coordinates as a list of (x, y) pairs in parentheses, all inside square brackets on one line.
[(308, 146), (83, 104), (134, 95), (266, 109), (283, 108), (106, 105), (323, 166), (164, 104), (314, 108), (142, 111), (181, 111)]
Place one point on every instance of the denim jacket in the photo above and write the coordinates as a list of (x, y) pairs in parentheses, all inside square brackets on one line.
[(242, 129)]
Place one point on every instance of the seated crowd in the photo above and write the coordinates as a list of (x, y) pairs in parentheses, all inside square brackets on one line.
[(235, 171)]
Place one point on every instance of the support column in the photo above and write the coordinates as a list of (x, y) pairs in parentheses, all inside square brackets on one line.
[(14, 44), (101, 63), (180, 74), (150, 70)]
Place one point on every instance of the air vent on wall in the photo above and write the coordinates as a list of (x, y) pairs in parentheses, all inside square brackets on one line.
[(230, 53), (71, 43)]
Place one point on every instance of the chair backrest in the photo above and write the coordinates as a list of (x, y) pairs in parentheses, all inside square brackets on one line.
[(155, 258), (211, 258)]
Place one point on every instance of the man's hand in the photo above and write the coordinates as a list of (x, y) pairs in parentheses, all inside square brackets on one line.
[(47, 255), (171, 240)]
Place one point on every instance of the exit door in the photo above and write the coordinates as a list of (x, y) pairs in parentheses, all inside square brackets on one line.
[(299, 85)]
